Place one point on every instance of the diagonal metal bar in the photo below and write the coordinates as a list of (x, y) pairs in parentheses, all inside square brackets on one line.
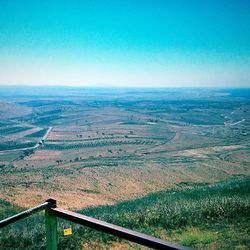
[(24, 214), (115, 230)]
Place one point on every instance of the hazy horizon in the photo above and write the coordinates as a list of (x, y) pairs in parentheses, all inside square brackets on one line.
[(107, 87)]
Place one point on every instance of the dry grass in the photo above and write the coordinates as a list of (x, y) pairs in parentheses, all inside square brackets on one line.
[(76, 187), (105, 174)]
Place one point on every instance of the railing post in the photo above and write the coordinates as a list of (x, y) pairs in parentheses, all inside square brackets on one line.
[(51, 226)]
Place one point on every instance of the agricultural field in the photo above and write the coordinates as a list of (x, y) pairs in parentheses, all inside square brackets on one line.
[(88, 148)]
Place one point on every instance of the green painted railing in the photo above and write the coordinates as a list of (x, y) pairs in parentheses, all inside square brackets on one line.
[(52, 213)]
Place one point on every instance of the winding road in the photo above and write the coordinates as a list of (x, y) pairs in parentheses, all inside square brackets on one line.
[(38, 144)]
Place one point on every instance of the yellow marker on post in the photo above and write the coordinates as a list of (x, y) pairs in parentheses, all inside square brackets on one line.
[(67, 231)]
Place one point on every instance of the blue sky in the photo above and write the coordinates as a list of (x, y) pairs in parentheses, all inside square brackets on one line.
[(130, 43)]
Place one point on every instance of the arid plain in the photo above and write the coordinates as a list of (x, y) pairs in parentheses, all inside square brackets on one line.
[(88, 148)]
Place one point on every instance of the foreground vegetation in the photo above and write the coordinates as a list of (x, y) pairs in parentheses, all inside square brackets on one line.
[(203, 216)]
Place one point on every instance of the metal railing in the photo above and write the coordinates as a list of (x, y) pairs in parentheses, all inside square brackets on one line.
[(52, 213)]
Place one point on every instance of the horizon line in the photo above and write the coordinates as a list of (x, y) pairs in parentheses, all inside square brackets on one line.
[(121, 87)]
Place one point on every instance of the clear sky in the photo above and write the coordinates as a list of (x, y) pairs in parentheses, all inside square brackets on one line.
[(125, 43)]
